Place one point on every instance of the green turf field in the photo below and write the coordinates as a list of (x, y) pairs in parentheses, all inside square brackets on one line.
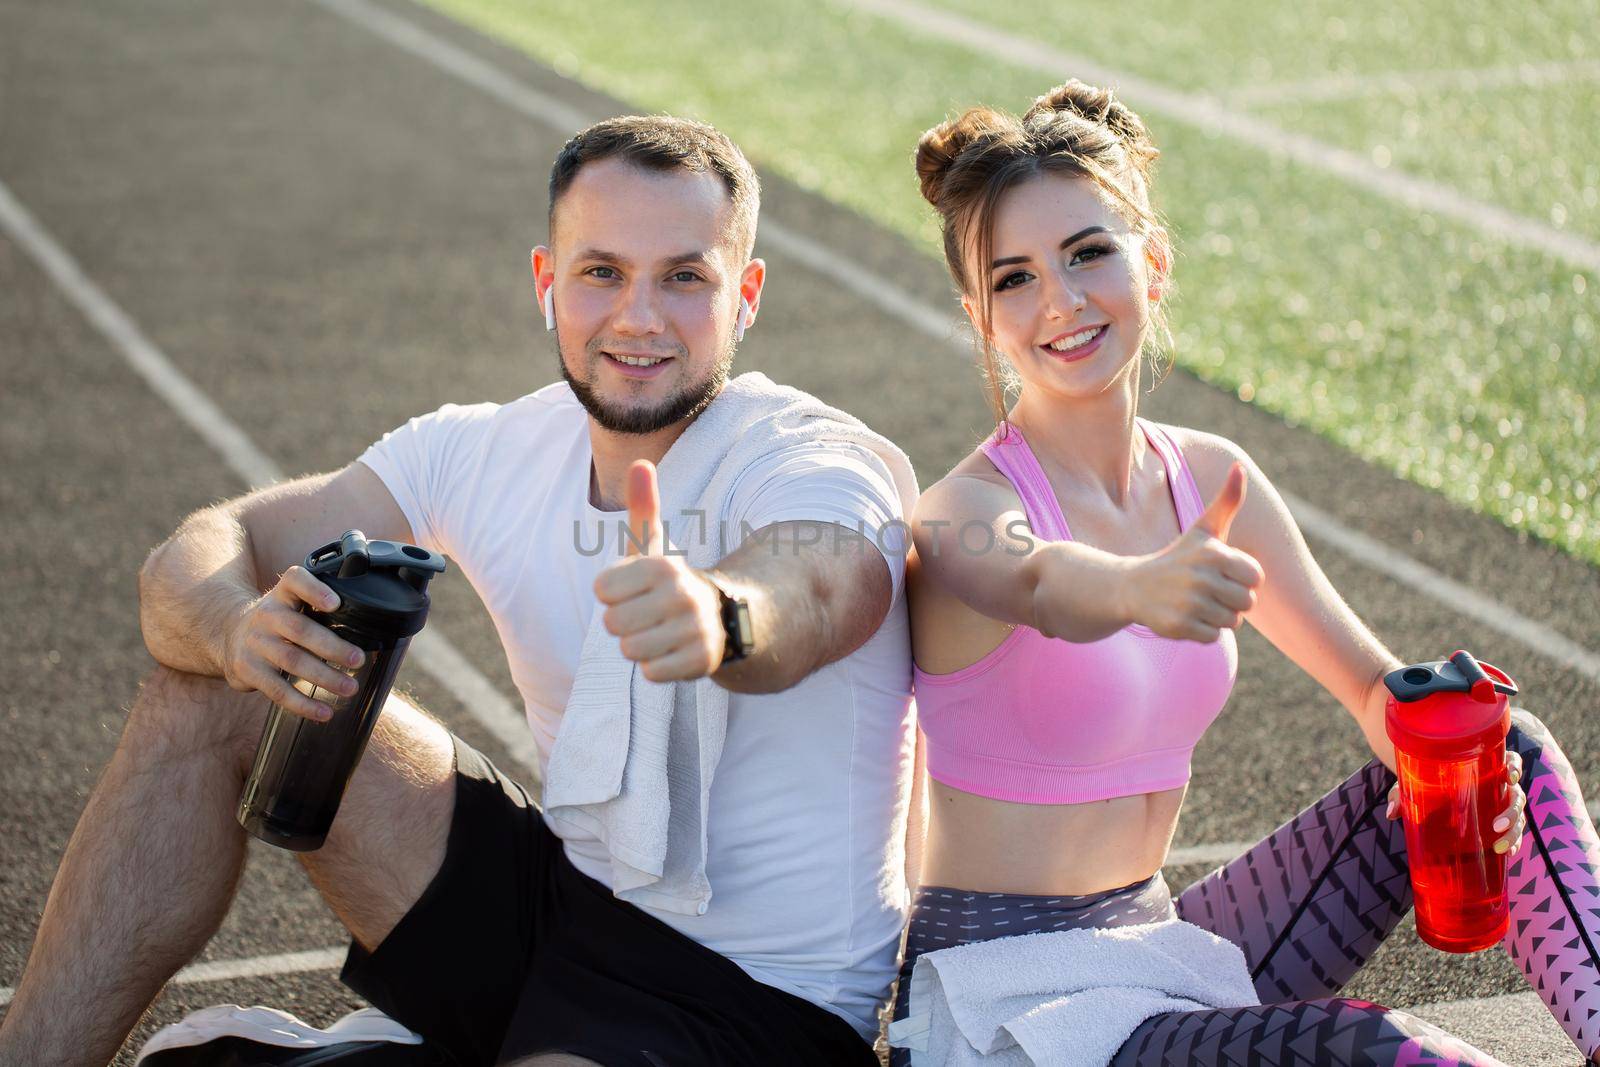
[(1461, 362)]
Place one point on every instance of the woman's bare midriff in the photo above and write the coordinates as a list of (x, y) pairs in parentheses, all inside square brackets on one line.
[(995, 846)]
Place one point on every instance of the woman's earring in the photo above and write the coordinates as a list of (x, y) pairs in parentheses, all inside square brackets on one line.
[(738, 327), (550, 307)]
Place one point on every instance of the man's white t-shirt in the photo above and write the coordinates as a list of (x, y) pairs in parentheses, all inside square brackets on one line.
[(808, 807)]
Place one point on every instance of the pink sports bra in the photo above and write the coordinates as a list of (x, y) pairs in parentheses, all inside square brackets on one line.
[(1044, 721)]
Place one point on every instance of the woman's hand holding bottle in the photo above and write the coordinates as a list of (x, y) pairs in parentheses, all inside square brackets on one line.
[(1509, 824), (1198, 585)]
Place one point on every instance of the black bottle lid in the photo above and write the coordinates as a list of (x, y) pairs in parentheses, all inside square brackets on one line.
[(382, 585), (1461, 673)]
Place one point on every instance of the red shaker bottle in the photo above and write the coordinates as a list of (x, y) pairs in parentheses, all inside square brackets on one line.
[(1448, 721)]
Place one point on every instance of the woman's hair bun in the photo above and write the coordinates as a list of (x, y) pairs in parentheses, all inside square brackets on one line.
[(939, 147), (1101, 107), (1076, 131)]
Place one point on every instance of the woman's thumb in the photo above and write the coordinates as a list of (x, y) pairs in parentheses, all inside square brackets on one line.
[(1219, 516)]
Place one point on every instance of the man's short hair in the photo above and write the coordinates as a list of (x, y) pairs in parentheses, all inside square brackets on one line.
[(662, 142)]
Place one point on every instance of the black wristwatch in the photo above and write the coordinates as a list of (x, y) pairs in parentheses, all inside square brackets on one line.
[(736, 626)]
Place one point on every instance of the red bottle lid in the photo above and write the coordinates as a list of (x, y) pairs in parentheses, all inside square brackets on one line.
[(1449, 709)]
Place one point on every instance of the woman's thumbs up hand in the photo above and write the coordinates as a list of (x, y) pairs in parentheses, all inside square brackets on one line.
[(1199, 584), (1219, 516)]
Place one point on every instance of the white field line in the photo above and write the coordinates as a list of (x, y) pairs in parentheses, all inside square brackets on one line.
[(1223, 851), (941, 326), (1214, 117), (1354, 86), (1219, 853), (323, 959), (320, 959), (1457, 596), (430, 650), (332, 958)]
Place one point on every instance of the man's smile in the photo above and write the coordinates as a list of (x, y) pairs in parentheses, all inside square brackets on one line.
[(637, 364)]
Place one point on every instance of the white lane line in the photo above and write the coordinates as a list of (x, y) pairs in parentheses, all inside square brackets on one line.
[(1221, 852), (431, 650), (1457, 596), (321, 959), (420, 41), (333, 958), (1351, 86), (1224, 851), (875, 290), (1214, 117), (191, 405), (509, 726), (941, 326)]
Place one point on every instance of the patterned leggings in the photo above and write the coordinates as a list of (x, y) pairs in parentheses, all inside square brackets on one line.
[(1308, 905)]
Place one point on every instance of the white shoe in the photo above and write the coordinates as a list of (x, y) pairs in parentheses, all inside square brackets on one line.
[(239, 1035)]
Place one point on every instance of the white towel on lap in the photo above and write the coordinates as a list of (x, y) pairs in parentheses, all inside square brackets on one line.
[(1063, 998), (633, 761)]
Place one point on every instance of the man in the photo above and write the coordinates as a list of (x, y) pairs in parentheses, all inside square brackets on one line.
[(472, 922)]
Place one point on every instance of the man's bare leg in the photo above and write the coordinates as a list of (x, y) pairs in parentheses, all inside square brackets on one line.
[(157, 855), (389, 838)]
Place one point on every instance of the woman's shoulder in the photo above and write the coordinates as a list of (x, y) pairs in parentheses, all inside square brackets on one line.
[(1208, 455), (973, 488)]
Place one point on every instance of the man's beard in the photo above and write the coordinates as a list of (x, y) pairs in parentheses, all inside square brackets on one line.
[(687, 403)]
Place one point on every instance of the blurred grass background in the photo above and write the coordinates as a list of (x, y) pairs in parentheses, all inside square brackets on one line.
[(1454, 359)]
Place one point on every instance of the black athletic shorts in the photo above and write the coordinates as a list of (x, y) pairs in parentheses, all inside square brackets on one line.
[(511, 950)]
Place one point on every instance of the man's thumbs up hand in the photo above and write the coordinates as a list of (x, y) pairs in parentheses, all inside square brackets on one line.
[(1199, 585), (667, 615), (644, 511)]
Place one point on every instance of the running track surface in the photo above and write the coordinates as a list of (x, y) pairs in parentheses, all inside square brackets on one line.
[(328, 235)]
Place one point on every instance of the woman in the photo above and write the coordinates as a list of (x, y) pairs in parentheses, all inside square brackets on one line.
[(1064, 675)]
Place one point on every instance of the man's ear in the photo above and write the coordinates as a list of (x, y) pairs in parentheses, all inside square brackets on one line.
[(544, 270), (751, 282)]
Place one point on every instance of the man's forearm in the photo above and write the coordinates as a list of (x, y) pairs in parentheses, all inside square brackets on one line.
[(192, 587), (790, 629), (813, 600)]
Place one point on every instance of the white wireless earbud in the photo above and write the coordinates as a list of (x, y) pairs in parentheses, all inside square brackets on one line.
[(744, 313), (550, 307)]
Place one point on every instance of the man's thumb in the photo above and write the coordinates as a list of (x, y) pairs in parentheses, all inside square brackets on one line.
[(1219, 516), (644, 510)]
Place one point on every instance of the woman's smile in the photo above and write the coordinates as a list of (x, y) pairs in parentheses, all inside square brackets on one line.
[(1077, 345)]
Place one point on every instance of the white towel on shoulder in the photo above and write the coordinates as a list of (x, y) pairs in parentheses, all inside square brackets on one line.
[(1063, 998), (633, 760)]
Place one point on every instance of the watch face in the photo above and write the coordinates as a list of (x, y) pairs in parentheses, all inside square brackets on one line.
[(746, 631), (737, 628)]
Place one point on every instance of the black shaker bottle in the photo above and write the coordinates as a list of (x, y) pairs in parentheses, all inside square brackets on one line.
[(302, 767)]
